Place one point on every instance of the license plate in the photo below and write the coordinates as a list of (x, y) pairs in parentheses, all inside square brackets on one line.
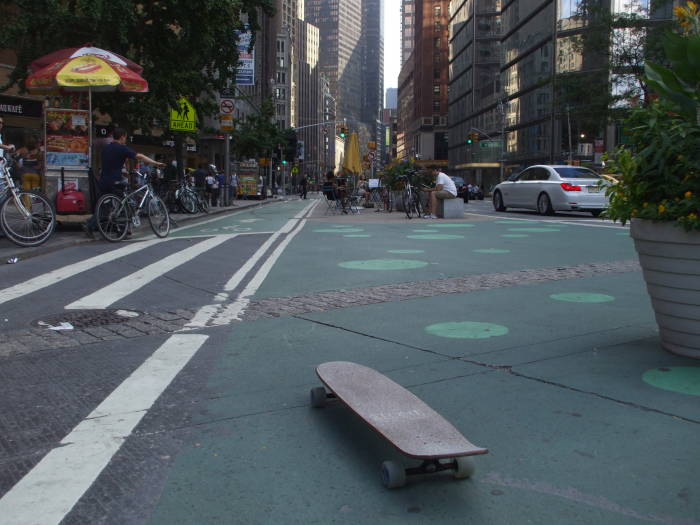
[(593, 189)]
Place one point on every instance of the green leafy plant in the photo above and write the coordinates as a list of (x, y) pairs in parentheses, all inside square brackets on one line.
[(659, 171)]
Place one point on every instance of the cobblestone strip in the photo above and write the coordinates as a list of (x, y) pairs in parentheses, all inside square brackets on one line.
[(333, 300), (27, 340)]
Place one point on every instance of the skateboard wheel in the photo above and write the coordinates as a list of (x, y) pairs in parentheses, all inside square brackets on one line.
[(318, 397), (393, 474), (464, 467)]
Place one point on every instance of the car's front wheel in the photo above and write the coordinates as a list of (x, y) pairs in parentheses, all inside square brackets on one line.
[(498, 202)]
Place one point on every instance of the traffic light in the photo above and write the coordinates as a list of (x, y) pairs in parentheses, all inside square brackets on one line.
[(473, 137), (343, 132)]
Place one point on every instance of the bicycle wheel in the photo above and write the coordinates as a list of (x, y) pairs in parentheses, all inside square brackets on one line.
[(27, 218), (188, 201), (158, 217), (417, 204), (202, 204), (407, 201), (112, 217)]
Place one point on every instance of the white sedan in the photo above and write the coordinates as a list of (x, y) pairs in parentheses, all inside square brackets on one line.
[(548, 189)]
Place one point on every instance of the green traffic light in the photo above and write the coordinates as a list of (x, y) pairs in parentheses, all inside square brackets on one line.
[(469, 141), (284, 162)]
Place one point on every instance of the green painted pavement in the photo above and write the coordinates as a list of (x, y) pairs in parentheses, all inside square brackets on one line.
[(296, 272), (268, 218)]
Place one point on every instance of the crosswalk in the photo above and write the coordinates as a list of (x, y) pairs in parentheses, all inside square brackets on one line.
[(50, 490)]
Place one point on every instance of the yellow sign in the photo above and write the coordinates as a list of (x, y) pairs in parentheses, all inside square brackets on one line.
[(184, 118), (226, 122)]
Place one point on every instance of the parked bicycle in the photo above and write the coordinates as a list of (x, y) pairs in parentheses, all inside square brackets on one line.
[(410, 198), (117, 214), (27, 218)]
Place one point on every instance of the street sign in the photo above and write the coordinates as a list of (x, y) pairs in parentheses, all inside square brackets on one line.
[(184, 118), (226, 106), (227, 93), (490, 143), (226, 122), (370, 155)]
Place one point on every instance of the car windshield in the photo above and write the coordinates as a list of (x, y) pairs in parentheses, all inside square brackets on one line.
[(574, 172)]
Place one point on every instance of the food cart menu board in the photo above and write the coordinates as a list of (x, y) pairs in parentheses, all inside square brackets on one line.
[(248, 178), (67, 143)]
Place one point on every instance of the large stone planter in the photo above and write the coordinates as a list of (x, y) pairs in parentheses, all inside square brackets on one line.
[(670, 259)]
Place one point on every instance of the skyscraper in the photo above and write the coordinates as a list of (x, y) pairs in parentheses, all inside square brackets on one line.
[(351, 59), (373, 65)]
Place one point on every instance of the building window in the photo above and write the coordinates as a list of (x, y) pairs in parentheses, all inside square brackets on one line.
[(436, 73), (436, 105), (280, 46), (437, 11), (436, 89), (437, 42), (280, 62), (281, 77)]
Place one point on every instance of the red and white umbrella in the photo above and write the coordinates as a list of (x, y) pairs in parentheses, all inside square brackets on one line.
[(87, 49)]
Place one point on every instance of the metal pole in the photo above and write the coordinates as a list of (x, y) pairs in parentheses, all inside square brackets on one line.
[(568, 121), (227, 167), (503, 140)]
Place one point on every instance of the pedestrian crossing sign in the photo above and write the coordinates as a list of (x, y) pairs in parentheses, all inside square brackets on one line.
[(184, 117)]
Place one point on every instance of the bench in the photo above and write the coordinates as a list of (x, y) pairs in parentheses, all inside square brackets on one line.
[(450, 208)]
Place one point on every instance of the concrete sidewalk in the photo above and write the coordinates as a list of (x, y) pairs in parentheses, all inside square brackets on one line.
[(69, 231)]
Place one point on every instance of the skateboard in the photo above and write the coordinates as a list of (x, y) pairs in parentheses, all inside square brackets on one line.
[(405, 421)]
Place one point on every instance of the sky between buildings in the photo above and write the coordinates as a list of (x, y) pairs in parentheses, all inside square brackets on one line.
[(392, 42)]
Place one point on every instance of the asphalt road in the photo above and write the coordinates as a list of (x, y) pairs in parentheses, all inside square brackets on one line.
[(167, 381)]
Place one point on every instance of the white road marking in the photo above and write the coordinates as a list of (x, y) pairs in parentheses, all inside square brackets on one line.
[(582, 222), (233, 311), (206, 315), (60, 274), (50, 490), (119, 289)]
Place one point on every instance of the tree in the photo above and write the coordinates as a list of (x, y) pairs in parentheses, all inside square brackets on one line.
[(257, 135), (187, 49)]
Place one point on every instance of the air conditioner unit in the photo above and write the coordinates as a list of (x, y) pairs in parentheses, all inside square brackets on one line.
[(427, 121)]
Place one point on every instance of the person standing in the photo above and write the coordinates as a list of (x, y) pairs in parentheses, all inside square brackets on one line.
[(114, 155), (303, 186), (4, 147), (444, 189)]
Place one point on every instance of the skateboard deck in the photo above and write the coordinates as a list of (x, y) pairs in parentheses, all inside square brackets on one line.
[(405, 421)]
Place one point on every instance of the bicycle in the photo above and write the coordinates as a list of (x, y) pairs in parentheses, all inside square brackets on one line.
[(115, 214), (27, 218), (410, 198)]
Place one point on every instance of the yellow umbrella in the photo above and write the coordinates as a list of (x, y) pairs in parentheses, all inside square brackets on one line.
[(352, 161)]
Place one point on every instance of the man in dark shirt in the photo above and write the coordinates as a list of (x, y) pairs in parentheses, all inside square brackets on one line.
[(114, 155)]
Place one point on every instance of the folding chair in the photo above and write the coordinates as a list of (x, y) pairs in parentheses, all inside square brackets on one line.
[(333, 203)]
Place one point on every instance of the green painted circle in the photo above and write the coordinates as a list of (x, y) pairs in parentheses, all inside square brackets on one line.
[(406, 251), (514, 221), (452, 225), (679, 379), (466, 330), (357, 235), (515, 235), (339, 230), (425, 231), (383, 264), (582, 297), (491, 250), (534, 230), (435, 236)]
